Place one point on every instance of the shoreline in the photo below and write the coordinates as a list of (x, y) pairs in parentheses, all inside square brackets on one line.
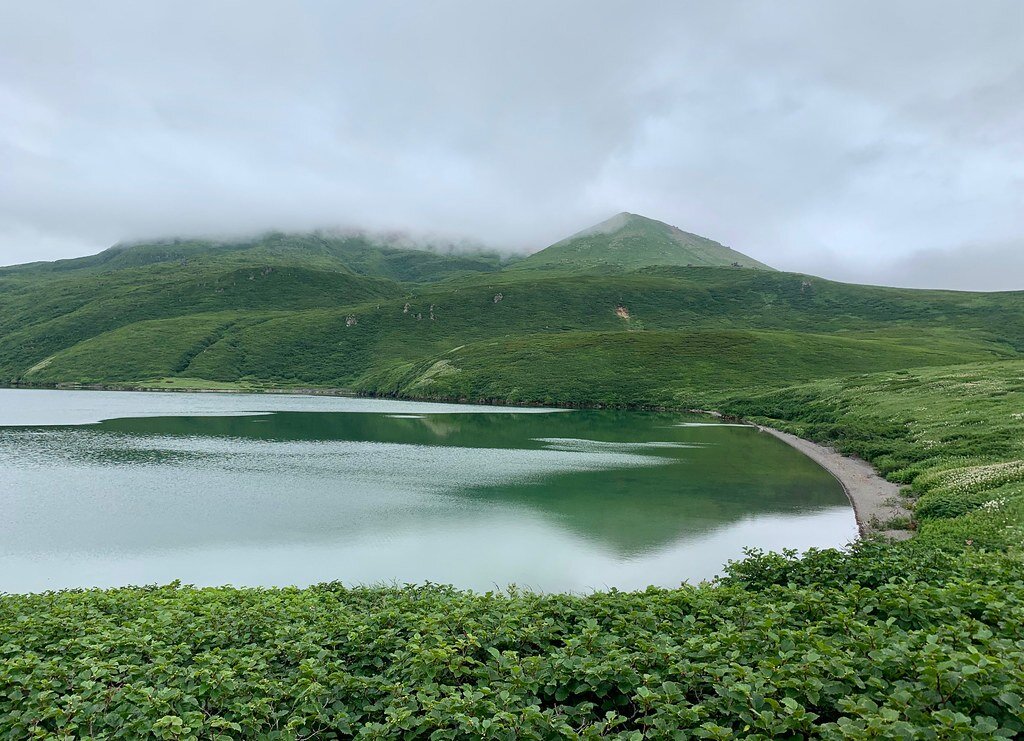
[(875, 500), (142, 388)]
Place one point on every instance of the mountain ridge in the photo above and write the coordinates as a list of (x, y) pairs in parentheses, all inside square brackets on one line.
[(355, 251), (342, 312), (632, 241), (625, 240)]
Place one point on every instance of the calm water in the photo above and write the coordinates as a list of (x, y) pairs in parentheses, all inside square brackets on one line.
[(103, 489)]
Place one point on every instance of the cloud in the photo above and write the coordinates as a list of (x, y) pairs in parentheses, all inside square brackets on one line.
[(971, 267), (869, 132)]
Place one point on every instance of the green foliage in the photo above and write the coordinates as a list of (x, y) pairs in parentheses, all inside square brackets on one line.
[(362, 254), (630, 241), (681, 368), (759, 660), (44, 316), (953, 434), (143, 349), (293, 326)]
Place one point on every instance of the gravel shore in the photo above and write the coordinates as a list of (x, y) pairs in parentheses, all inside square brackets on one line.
[(875, 500)]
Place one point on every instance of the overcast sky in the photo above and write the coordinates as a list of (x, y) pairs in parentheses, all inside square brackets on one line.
[(872, 141)]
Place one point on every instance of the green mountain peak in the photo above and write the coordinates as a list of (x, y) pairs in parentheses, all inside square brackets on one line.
[(632, 241)]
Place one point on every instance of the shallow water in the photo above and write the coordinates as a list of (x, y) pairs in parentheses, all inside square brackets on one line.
[(276, 490)]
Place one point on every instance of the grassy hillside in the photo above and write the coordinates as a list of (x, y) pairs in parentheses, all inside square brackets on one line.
[(351, 310), (46, 307), (920, 639), (40, 318), (359, 253), (655, 368), (955, 418), (630, 241), (316, 327)]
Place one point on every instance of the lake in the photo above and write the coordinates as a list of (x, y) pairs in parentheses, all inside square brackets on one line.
[(115, 488)]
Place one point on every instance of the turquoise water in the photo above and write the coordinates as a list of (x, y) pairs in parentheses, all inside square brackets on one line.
[(115, 488)]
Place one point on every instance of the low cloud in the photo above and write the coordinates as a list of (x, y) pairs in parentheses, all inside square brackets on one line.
[(875, 132), (966, 268)]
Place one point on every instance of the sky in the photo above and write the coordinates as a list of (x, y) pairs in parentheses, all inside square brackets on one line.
[(872, 141)]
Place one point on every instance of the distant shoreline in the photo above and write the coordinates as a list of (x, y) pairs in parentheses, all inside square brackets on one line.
[(140, 388), (875, 501)]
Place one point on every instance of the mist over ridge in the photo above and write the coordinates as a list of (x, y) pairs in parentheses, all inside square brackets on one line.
[(769, 131)]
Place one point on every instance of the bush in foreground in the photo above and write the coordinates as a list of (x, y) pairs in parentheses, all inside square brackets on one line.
[(770, 652)]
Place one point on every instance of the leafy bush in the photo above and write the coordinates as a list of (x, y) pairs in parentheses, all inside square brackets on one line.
[(762, 661)]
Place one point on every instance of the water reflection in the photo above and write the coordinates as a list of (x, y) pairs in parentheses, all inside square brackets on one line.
[(554, 501)]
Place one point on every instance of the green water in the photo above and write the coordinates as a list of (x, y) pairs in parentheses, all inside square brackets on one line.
[(106, 489)]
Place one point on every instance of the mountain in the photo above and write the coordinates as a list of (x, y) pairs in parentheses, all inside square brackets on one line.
[(392, 256), (355, 311), (630, 241)]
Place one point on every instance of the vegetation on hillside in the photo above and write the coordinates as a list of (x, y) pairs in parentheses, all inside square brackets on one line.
[(631, 241), (371, 255), (320, 310), (657, 368), (299, 326)]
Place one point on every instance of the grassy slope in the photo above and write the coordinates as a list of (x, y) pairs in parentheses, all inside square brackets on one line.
[(47, 307), (40, 318), (654, 368), (630, 241), (360, 254), (293, 328), (954, 432)]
